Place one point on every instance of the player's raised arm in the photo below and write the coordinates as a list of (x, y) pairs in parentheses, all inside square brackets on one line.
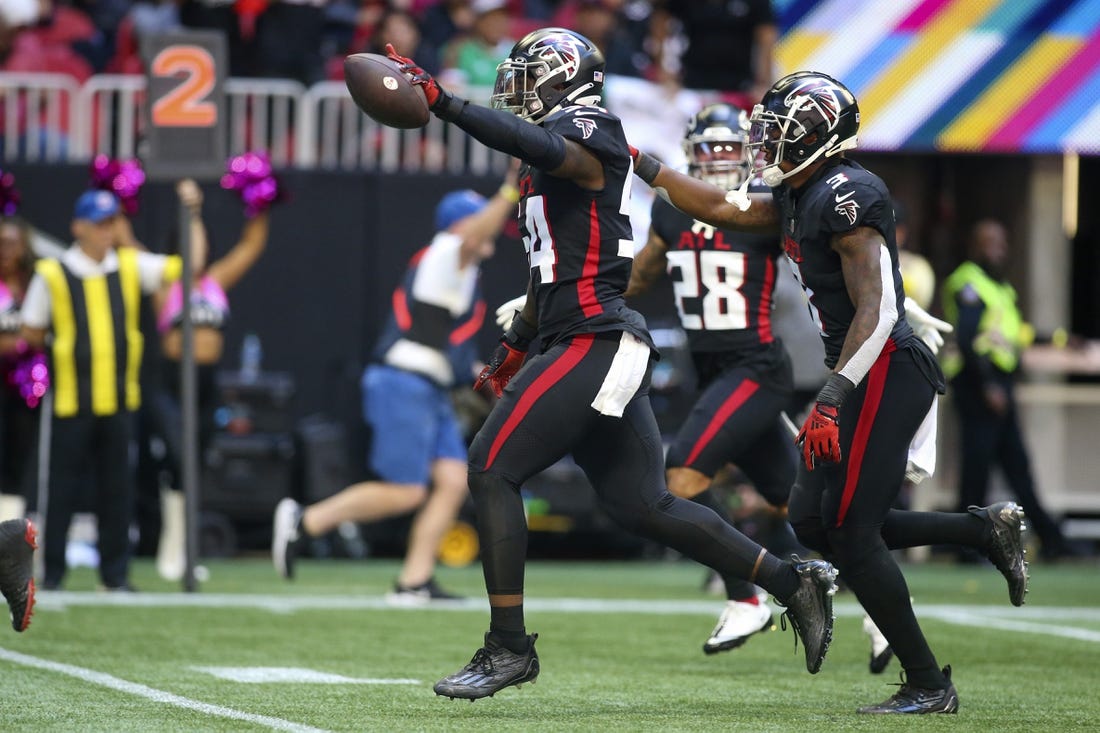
[(503, 129), (705, 201)]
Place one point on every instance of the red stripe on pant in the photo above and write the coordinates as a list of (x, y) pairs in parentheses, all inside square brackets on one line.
[(553, 374), (876, 384), (732, 404)]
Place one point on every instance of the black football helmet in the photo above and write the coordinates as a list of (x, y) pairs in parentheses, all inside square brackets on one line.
[(547, 70), (804, 116), (716, 145)]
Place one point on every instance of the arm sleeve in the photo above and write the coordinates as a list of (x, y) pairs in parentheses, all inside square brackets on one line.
[(860, 363), (509, 134)]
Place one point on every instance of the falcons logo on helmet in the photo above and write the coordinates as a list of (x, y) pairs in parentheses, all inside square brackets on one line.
[(815, 94), (562, 47)]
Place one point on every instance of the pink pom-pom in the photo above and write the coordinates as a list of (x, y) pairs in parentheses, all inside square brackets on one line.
[(9, 195), (123, 178), (250, 175), (29, 375)]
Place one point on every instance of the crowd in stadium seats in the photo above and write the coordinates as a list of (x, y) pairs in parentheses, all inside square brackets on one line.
[(307, 40)]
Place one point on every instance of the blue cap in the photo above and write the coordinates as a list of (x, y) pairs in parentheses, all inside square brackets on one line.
[(96, 205), (457, 205)]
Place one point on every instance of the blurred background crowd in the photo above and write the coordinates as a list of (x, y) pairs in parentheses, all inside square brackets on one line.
[(707, 45)]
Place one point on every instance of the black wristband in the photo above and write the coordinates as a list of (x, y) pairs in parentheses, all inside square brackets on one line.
[(520, 334), (836, 389), (447, 106), (646, 167)]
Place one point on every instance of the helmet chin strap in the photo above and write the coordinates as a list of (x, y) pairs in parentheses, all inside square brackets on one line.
[(571, 100), (773, 175)]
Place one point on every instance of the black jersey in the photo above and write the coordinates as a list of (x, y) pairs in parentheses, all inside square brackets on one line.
[(579, 242), (838, 198), (723, 280)]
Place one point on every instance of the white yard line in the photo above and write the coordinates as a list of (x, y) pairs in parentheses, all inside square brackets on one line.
[(150, 693), (963, 618), (1028, 620), (59, 600), (1000, 617)]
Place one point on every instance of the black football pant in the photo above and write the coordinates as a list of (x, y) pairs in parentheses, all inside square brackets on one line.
[(736, 420), (546, 413), (89, 449), (843, 510)]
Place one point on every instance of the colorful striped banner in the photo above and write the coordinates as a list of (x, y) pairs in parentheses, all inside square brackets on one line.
[(957, 75)]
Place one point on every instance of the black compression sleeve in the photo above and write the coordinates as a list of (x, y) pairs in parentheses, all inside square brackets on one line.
[(507, 133)]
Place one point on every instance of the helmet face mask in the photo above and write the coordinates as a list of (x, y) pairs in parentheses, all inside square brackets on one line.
[(803, 117), (716, 146), (547, 70)]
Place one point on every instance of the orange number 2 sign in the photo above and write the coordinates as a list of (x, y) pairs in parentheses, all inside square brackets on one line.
[(185, 105)]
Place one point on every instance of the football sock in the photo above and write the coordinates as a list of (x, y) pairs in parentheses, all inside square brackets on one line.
[(502, 531), (506, 623), (915, 529), (706, 538), (870, 571)]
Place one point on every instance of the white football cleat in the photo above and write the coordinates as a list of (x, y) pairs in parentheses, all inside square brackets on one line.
[(881, 653), (739, 621)]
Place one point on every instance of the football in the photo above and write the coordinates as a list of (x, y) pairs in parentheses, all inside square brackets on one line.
[(383, 92)]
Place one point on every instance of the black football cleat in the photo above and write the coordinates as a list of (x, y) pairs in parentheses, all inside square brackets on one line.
[(493, 667), (881, 651), (810, 609), (1005, 547), (911, 700), (18, 541), (424, 594)]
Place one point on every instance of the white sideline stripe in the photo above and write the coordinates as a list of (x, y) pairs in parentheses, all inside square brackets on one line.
[(965, 615), (1068, 632), (296, 675), (59, 600), (150, 693)]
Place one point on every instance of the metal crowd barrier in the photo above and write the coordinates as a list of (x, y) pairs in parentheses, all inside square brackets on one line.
[(37, 110), (52, 118)]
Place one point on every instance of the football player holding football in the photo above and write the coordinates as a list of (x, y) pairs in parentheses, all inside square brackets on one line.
[(586, 393)]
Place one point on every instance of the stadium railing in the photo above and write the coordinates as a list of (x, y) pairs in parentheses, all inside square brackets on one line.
[(52, 118)]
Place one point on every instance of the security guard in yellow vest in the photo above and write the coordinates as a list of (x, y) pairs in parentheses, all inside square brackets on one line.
[(991, 335), (88, 303)]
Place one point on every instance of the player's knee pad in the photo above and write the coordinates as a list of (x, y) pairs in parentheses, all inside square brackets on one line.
[(853, 546), (637, 516), (496, 498), (811, 534)]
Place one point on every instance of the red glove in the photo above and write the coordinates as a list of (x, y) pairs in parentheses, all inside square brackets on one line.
[(820, 436), (503, 365), (633, 151), (417, 75)]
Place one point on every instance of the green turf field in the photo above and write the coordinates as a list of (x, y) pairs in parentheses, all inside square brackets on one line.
[(620, 648)]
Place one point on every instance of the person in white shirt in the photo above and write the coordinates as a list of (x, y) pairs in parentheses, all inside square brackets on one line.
[(84, 309)]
